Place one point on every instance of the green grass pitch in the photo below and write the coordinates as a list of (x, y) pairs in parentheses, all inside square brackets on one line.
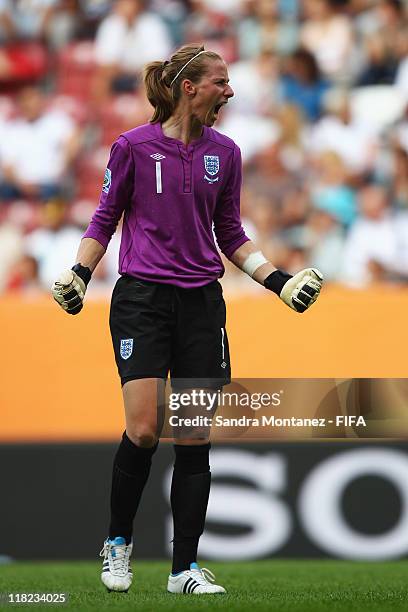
[(279, 586)]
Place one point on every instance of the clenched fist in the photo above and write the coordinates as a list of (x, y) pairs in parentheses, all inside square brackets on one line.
[(302, 290), (69, 291), (298, 292)]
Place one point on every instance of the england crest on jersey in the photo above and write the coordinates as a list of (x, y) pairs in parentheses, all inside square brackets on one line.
[(211, 164), (126, 348)]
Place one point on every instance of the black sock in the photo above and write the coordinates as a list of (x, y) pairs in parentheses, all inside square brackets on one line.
[(131, 469), (190, 489)]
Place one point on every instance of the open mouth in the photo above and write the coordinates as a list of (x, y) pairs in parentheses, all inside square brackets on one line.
[(217, 107)]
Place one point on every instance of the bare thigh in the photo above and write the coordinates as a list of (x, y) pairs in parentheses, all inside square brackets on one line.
[(142, 397), (144, 409)]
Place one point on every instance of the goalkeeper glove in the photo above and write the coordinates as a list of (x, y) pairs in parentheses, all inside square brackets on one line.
[(69, 289), (298, 292)]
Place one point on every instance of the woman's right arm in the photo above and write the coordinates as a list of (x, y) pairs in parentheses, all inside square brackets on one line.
[(90, 253), (70, 287)]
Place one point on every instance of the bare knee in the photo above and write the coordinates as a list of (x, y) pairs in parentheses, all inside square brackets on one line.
[(141, 398), (144, 437)]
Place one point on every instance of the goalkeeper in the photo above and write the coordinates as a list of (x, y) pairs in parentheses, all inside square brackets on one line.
[(175, 179)]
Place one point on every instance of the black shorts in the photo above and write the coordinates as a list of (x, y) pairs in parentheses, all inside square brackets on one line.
[(158, 328)]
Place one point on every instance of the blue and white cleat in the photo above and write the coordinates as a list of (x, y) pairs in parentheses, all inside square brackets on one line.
[(196, 580), (116, 571)]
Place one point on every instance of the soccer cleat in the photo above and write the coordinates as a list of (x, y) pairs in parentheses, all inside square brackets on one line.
[(116, 571), (197, 581)]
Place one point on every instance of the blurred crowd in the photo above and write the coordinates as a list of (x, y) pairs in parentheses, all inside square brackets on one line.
[(320, 113)]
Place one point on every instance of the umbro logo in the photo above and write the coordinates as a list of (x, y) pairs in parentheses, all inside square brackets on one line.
[(157, 156)]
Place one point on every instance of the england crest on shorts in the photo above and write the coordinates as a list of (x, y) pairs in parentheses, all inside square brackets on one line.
[(107, 180), (211, 164), (126, 348)]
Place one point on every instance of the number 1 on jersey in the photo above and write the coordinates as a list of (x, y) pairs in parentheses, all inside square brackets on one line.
[(158, 177)]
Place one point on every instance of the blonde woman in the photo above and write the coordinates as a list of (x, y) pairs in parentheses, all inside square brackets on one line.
[(175, 179)]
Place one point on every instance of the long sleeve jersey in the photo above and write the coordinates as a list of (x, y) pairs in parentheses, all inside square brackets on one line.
[(174, 199)]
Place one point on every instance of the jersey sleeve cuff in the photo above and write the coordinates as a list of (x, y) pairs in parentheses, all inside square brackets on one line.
[(230, 250), (98, 236)]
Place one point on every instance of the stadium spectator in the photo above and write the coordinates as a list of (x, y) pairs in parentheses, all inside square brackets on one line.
[(95, 9), (330, 192), (264, 218), (23, 277), (92, 12), (303, 84), (36, 149), (371, 243), (207, 23), (32, 19), (123, 45), (174, 13), (325, 239), (291, 144), (253, 133), (267, 174), (381, 65), (66, 25), (295, 208), (256, 82), (250, 117), (263, 27), (51, 244), (327, 33), (338, 131), (390, 16)]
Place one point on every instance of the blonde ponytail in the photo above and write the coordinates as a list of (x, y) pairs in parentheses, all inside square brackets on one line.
[(158, 93)]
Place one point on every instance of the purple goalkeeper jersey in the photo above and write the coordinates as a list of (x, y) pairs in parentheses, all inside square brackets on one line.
[(173, 196)]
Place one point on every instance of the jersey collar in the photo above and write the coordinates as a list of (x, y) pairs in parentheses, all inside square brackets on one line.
[(162, 136)]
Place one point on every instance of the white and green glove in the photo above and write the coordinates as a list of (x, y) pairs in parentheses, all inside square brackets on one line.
[(70, 287), (298, 292)]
